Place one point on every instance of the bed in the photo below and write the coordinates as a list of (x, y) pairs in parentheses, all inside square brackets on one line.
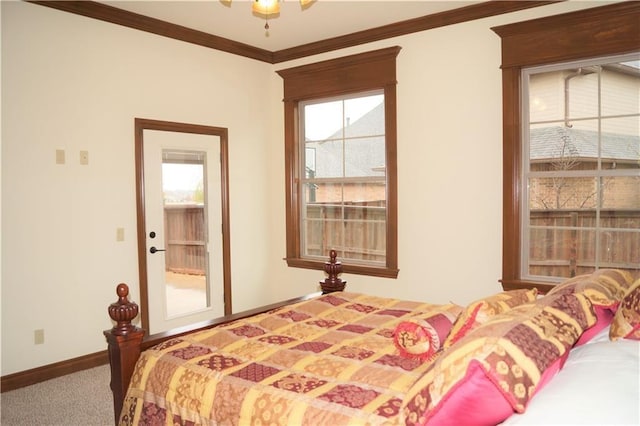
[(336, 357)]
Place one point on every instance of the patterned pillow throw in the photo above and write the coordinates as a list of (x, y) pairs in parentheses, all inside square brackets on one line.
[(501, 364), (416, 339), (604, 287), (421, 336), (482, 310), (615, 277), (626, 322)]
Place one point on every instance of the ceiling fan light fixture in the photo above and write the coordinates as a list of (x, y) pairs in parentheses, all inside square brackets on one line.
[(266, 8), (269, 8)]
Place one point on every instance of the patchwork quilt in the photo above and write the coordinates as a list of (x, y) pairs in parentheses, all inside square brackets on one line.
[(329, 360)]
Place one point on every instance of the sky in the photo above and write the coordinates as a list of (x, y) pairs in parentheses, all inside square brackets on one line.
[(181, 176), (331, 112)]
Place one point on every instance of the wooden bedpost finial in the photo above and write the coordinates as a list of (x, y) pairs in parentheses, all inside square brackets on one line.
[(333, 268), (123, 311), (123, 344)]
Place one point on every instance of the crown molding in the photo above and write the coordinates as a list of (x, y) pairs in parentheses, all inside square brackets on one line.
[(423, 23), (103, 12)]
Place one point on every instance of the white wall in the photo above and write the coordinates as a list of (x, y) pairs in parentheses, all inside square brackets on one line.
[(449, 161), (74, 83)]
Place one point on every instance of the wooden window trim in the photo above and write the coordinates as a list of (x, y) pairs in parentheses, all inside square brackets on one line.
[(601, 31), (336, 77)]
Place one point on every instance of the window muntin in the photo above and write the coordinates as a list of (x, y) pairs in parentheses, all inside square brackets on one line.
[(581, 168), (344, 181)]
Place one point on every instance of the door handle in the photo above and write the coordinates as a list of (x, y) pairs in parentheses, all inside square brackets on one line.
[(153, 249)]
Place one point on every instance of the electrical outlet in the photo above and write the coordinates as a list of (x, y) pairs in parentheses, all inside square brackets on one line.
[(38, 336), (84, 158)]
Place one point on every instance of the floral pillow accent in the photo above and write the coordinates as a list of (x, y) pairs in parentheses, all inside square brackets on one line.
[(421, 337), (416, 339), (626, 322), (480, 311), (501, 364)]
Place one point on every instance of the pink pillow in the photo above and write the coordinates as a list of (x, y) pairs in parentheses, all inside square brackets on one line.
[(604, 317), (477, 400)]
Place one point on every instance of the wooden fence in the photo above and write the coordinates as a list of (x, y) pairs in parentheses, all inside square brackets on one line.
[(563, 243), (355, 230), (185, 240)]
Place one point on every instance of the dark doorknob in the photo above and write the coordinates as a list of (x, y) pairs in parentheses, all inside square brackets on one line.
[(153, 249)]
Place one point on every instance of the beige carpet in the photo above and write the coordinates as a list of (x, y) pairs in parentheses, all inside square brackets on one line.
[(79, 399)]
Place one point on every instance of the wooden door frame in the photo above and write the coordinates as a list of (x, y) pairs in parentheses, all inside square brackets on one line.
[(142, 124)]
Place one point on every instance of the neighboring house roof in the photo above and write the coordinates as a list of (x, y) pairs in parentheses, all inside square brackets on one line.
[(357, 161), (371, 123), (559, 141)]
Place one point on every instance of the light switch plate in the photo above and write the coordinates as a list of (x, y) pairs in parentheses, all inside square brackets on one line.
[(59, 156), (38, 336)]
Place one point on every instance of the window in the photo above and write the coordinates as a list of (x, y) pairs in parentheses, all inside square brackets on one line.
[(343, 182), (576, 38), (581, 167), (340, 158)]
